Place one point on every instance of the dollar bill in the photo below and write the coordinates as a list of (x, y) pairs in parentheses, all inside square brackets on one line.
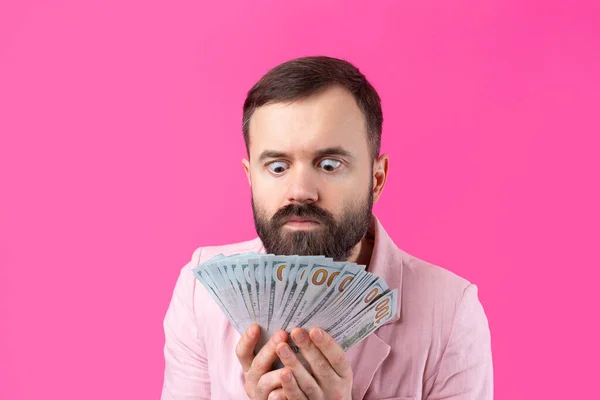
[(367, 321)]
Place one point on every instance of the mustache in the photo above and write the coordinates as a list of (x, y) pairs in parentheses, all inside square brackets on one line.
[(308, 210)]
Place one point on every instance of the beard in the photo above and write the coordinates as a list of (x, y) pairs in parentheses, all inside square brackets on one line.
[(331, 239)]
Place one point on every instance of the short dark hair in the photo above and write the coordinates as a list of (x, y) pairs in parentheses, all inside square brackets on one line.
[(302, 77)]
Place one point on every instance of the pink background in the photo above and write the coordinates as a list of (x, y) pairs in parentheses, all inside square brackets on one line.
[(120, 153)]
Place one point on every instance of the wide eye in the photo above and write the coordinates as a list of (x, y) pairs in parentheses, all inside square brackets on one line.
[(329, 164), (278, 167)]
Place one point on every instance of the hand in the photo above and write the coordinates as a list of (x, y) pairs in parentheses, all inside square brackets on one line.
[(331, 376), (260, 381)]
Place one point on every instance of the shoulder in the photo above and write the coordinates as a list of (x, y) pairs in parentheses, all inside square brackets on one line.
[(434, 286), (201, 254), (204, 253), (190, 293), (432, 298), (430, 283), (445, 311), (436, 302)]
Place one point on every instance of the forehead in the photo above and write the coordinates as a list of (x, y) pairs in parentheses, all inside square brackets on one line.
[(330, 118)]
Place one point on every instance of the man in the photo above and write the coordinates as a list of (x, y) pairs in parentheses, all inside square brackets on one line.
[(312, 128)]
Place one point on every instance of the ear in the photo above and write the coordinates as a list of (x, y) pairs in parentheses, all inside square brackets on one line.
[(380, 172), (246, 165)]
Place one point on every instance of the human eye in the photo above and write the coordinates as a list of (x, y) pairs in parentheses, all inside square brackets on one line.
[(329, 164), (278, 167)]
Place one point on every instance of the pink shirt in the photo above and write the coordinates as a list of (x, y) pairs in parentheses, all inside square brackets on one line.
[(438, 348)]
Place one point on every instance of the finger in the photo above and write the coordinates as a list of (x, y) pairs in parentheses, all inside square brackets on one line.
[(277, 394), (246, 345), (304, 379), (318, 362), (333, 352), (267, 384), (290, 387), (265, 358)]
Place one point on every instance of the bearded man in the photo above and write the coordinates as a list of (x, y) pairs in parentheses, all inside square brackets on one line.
[(312, 128)]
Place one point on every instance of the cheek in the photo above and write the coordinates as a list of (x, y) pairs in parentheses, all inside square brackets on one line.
[(335, 200), (265, 200), (346, 190)]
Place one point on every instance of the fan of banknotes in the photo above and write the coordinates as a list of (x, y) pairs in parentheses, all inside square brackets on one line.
[(285, 292)]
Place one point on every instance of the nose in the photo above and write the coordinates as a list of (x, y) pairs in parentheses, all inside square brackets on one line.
[(302, 187)]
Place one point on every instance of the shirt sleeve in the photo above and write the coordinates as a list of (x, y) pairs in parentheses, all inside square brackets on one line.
[(186, 366), (466, 371)]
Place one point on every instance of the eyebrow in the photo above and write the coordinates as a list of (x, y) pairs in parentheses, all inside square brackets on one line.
[(328, 151)]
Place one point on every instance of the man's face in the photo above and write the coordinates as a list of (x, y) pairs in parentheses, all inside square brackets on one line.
[(311, 175)]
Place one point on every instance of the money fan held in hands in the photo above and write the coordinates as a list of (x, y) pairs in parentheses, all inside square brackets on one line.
[(285, 292)]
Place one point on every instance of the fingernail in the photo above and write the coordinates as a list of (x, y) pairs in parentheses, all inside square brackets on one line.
[(318, 335), (278, 338), (251, 332), (300, 335), (287, 377), (285, 351)]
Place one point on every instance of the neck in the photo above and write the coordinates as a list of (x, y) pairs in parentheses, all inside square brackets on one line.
[(361, 253)]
